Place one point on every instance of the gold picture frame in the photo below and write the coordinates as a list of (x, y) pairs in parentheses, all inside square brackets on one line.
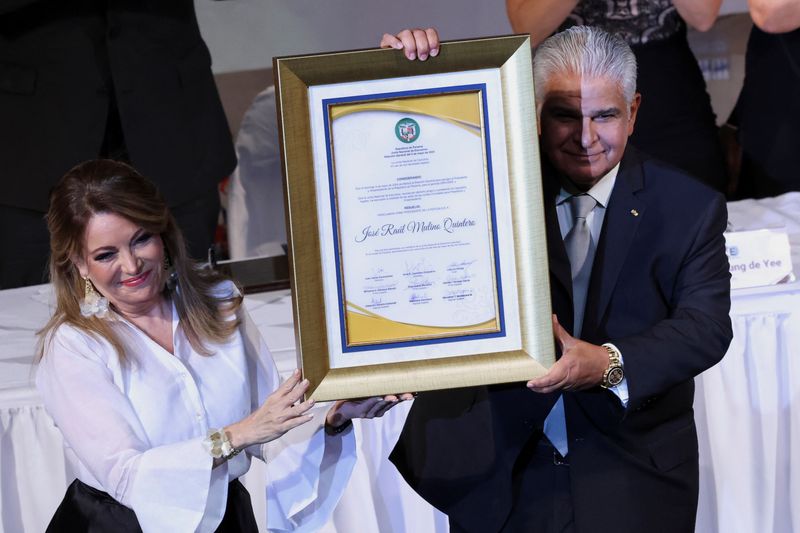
[(505, 62)]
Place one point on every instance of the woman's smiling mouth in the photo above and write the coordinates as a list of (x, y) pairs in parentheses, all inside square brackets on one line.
[(136, 280)]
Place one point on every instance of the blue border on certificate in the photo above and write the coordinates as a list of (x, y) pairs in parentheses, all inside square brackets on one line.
[(326, 103)]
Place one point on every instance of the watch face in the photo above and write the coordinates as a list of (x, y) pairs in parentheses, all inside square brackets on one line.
[(615, 376)]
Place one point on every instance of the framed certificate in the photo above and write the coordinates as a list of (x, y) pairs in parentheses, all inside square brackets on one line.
[(414, 218)]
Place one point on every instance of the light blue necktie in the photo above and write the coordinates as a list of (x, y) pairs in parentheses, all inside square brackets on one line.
[(580, 250)]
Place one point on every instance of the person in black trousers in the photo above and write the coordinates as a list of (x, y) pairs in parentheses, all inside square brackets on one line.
[(768, 108), (676, 122), (121, 79)]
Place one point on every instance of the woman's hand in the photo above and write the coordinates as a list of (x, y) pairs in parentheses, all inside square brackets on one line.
[(279, 413), (343, 411), (415, 42)]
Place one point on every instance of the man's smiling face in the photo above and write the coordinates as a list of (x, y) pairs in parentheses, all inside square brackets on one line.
[(585, 124)]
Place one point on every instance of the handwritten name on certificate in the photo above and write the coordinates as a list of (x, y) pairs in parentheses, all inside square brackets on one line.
[(414, 218)]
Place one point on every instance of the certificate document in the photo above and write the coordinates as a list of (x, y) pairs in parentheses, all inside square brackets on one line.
[(410, 209), (414, 216)]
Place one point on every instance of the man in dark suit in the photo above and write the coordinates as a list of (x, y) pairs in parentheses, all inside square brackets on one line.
[(606, 440), (123, 79)]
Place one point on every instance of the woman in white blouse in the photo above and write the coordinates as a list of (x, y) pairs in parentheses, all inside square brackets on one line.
[(158, 380)]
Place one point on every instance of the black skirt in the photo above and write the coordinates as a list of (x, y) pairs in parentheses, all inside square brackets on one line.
[(676, 122), (88, 510)]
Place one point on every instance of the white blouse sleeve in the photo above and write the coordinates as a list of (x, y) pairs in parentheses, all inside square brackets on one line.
[(166, 486), (308, 470)]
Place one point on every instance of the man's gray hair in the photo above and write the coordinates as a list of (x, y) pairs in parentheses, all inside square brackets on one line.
[(588, 52)]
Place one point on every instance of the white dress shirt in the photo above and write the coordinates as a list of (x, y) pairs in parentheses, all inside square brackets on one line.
[(601, 192), (135, 429)]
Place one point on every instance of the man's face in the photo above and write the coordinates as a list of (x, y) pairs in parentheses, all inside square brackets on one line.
[(585, 124)]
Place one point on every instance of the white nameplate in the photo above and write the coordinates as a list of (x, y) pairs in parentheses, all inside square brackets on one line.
[(757, 258)]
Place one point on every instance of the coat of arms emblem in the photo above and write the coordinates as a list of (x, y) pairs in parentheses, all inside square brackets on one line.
[(407, 130)]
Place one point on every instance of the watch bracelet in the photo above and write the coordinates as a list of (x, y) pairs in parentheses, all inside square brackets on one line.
[(614, 361)]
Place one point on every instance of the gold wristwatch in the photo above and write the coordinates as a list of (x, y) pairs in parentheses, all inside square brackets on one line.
[(614, 374)]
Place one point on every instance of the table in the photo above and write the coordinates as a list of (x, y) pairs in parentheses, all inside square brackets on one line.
[(748, 406), (747, 409)]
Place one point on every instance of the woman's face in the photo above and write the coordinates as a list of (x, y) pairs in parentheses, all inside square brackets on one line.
[(124, 261)]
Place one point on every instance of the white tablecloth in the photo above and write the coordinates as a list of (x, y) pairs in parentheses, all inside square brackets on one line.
[(748, 415), (748, 406)]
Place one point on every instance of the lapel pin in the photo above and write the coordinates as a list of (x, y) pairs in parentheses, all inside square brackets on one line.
[(634, 212)]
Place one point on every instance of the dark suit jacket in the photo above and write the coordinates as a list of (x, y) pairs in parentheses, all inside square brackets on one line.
[(660, 292), (59, 62)]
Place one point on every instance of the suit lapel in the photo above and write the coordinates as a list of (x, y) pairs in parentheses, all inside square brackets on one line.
[(623, 216)]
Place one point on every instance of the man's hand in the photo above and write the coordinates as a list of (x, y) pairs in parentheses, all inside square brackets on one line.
[(416, 43), (343, 411), (581, 365)]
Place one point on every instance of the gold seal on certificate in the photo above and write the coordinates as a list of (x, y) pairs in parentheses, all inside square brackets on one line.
[(415, 224)]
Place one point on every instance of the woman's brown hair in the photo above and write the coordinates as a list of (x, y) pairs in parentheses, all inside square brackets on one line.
[(106, 186)]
